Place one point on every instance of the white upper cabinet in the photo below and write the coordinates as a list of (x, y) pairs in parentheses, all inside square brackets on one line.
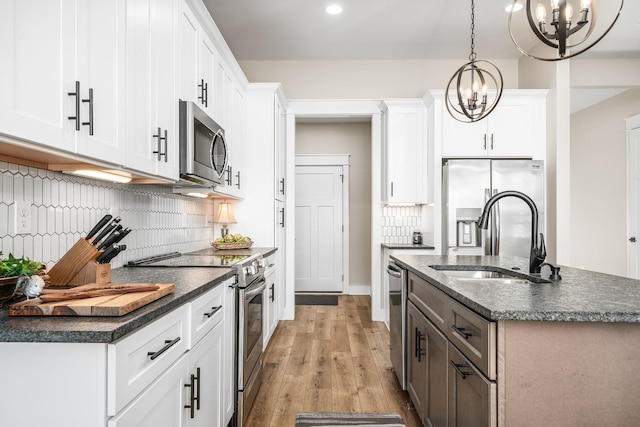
[(196, 56), (404, 155), (151, 103), (65, 85), (513, 129), (280, 149)]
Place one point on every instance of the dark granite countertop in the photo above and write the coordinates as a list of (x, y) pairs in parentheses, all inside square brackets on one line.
[(406, 246), (581, 295), (190, 283)]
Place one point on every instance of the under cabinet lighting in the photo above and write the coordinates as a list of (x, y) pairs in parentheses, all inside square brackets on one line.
[(199, 195), (101, 175)]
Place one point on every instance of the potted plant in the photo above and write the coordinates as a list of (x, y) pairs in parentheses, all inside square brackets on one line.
[(11, 269)]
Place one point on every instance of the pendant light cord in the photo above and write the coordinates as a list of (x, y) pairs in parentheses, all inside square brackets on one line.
[(472, 55)]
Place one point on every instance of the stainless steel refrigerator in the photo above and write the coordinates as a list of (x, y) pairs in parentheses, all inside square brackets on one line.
[(468, 184)]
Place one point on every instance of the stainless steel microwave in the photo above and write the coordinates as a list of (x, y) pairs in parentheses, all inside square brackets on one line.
[(203, 150)]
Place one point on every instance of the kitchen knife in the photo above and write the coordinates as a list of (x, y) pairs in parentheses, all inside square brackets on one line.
[(123, 234), (113, 253), (110, 240), (105, 219), (113, 226)]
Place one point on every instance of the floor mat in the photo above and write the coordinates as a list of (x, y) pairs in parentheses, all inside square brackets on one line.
[(303, 299), (354, 419)]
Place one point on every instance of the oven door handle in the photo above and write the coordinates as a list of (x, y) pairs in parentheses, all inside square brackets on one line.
[(259, 289)]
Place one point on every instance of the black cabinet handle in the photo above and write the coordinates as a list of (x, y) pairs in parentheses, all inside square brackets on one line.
[(484, 138), (282, 216), (462, 331), (213, 311), (160, 139), (238, 180), (282, 186), (391, 188), (203, 92), (168, 344), (229, 175), (419, 351), (458, 369), (492, 141), (197, 398), (90, 122), (272, 292), (77, 95), (192, 396)]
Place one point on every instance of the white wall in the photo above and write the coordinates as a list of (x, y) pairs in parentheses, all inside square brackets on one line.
[(598, 184), (353, 139), (364, 79)]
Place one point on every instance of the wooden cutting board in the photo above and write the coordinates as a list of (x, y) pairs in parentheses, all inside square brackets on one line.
[(108, 305)]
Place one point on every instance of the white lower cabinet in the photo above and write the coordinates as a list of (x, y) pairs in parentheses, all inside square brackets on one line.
[(177, 371), (159, 405), (271, 301)]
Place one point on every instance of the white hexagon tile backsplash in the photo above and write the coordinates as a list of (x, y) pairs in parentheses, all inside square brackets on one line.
[(63, 208)]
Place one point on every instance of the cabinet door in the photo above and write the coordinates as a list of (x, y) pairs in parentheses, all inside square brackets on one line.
[(206, 66), (204, 383), (235, 118), (404, 157), (39, 55), (510, 132), (100, 44), (187, 54), (472, 398), (463, 139), (229, 389), (161, 404), (150, 99), (270, 319), (417, 359), (280, 150), (437, 367)]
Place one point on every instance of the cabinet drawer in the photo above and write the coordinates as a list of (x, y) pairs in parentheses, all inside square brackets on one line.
[(472, 398), (138, 359), (207, 311), (429, 299), (474, 336)]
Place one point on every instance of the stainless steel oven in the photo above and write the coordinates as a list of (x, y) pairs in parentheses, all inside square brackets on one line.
[(250, 313)]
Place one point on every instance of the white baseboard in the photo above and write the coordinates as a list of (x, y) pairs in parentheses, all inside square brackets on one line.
[(358, 290)]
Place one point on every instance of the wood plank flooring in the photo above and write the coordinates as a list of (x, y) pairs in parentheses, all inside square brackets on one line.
[(330, 358)]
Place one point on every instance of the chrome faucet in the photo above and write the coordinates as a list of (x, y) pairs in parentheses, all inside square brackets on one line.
[(538, 253)]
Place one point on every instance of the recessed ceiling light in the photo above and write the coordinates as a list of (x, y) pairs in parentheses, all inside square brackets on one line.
[(334, 9), (516, 7)]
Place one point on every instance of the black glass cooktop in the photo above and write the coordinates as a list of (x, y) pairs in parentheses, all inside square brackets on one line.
[(176, 259)]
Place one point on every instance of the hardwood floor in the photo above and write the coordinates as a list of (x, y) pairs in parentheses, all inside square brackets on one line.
[(330, 358)]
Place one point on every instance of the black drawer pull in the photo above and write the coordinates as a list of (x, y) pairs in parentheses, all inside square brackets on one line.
[(192, 396), (90, 101), (419, 351), (213, 311), (457, 367), (77, 103), (462, 332), (168, 344)]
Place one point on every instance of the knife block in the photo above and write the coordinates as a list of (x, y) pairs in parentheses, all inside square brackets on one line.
[(91, 273), (74, 261)]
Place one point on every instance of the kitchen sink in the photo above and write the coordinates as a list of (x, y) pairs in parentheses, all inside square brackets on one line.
[(486, 274)]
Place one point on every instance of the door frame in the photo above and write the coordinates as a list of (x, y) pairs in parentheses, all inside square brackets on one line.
[(332, 111), (343, 161), (633, 271)]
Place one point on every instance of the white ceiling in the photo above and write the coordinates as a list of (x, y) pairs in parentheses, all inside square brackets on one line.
[(387, 30), (395, 30)]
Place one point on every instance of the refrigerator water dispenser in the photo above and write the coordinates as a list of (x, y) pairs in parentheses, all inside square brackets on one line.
[(468, 233)]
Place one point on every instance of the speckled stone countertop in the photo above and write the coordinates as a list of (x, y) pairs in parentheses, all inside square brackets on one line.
[(405, 246), (190, 283), (581, 295)]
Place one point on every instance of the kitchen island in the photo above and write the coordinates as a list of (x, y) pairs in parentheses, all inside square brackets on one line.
[(513, 352)]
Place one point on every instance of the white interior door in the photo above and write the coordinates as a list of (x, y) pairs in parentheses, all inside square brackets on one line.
[(633, 196), (319, 229)]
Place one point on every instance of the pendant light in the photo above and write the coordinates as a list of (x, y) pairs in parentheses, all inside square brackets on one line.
[(554, 31), (475, 89)]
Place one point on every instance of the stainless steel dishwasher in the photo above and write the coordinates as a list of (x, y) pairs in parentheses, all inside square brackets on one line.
[(398, 320)]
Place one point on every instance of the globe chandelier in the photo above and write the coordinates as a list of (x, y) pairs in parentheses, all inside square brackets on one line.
[(475, 88), (556, 25)]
